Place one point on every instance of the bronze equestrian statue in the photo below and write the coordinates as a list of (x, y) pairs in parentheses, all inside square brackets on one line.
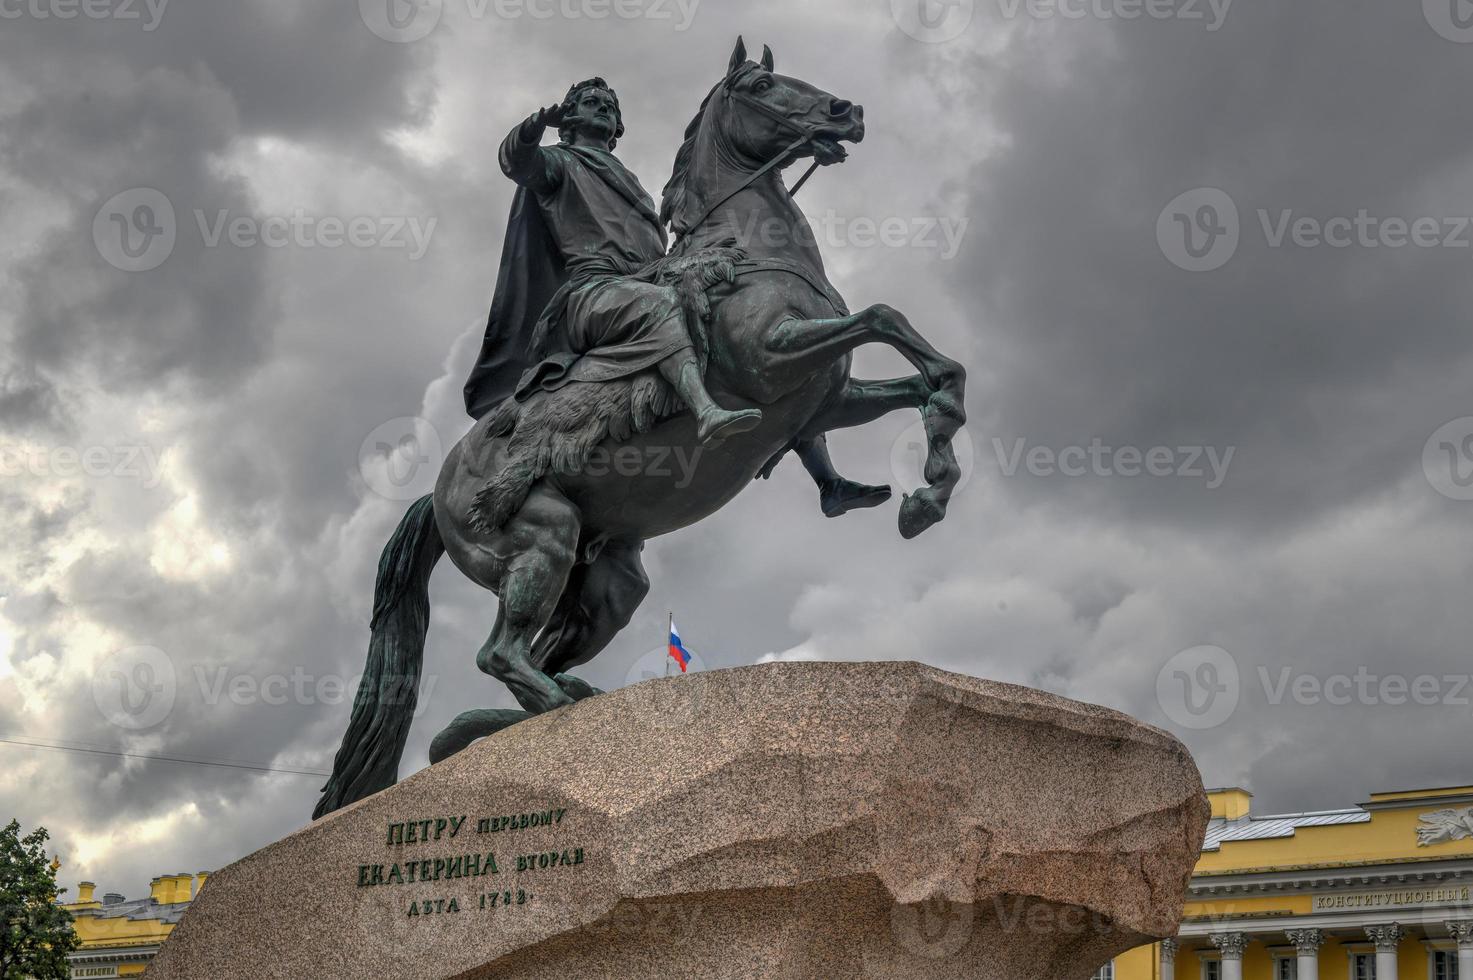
[(732, 348)]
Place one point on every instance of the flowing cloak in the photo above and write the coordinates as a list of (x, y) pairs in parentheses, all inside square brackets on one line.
[(531, 272), (609, 230)]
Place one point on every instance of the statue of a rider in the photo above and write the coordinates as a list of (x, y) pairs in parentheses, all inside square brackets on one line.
[(568, 301)]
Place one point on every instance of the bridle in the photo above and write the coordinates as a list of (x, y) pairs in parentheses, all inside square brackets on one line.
[(806, 134)]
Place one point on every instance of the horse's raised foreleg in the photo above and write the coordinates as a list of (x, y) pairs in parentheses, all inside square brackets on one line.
[(809, 345), (600, 602), (543, 538), (815, 343)]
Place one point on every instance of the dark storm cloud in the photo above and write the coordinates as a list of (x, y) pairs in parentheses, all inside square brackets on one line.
[(97, 108), (29, 402), (109, 107), (1326, 367)]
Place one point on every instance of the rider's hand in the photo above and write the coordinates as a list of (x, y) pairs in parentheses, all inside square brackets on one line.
[(550, 117)]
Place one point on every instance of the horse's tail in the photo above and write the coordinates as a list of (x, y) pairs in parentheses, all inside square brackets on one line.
[(368, 759)]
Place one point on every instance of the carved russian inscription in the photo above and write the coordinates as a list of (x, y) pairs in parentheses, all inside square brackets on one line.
[(462, 853)]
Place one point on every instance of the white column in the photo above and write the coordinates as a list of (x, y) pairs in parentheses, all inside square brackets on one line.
[(1463, 933), (1168, 960), (1307, 943), (1386, 938), (1232, 945)]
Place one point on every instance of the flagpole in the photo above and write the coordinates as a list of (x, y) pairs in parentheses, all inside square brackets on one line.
[(669, 629)]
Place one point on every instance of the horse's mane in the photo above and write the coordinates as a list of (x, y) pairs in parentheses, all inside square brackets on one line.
[(673, 197), (676, 195)]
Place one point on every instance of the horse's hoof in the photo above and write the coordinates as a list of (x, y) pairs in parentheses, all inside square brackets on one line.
[(542, 698), (919, 511), (469, 726), (575, 687)]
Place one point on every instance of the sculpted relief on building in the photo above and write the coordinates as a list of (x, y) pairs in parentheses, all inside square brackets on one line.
[(1442, 826)]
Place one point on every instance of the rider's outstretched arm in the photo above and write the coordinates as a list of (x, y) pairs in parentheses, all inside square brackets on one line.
[(525, 160)]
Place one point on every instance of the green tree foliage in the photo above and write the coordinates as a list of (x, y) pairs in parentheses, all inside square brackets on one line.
[(35, 933)]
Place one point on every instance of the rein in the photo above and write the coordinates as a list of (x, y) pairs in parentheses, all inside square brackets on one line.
[(806, 134)]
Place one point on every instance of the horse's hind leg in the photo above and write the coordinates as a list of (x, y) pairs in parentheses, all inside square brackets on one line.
[(599, 603), (543, 537)]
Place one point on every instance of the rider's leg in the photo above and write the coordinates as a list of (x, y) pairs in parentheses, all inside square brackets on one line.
[(713, 423), (836, 495), (630, 320)]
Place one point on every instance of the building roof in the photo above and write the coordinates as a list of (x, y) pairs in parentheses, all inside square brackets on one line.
[(1276, 826), (137, 909)]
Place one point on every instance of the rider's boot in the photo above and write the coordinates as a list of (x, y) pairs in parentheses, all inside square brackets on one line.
[(713, 423), (836, 495)]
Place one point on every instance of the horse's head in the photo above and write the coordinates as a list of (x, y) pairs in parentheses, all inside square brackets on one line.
[(753, 119), (767, 112)]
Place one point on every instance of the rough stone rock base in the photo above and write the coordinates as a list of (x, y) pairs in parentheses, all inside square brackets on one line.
[(798, 821)]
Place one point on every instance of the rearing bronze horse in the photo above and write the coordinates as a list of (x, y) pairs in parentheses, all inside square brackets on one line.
[(560, 545)]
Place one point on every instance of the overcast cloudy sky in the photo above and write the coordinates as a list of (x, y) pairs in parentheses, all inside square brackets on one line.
[(1208, 264)]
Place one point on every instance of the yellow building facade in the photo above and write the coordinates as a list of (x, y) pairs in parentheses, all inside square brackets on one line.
[(119, 936), (1379, 891)]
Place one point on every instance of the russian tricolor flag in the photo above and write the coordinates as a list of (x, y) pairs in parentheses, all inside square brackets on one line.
[(677, 649)]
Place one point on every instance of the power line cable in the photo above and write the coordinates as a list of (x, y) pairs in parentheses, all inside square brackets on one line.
[(57, 746)]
